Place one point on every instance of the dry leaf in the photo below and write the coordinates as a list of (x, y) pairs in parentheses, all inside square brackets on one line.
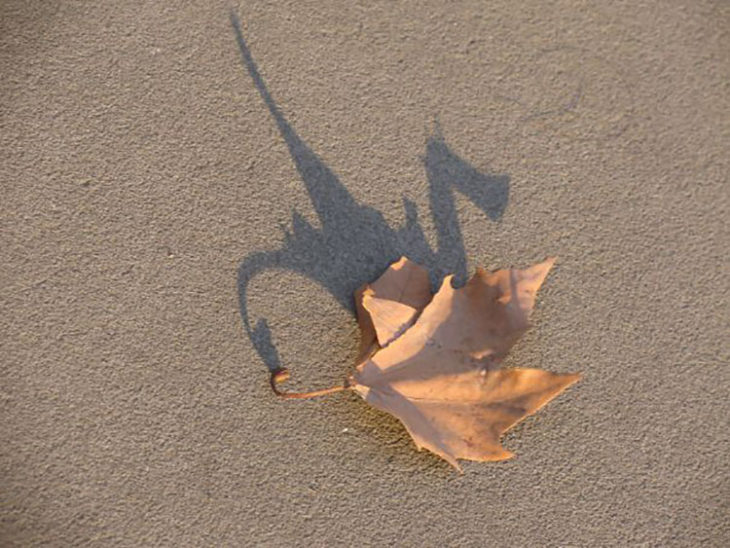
[(435, 365), (394, 301)]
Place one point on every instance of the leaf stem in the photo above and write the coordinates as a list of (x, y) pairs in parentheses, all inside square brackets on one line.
[(280, 375)]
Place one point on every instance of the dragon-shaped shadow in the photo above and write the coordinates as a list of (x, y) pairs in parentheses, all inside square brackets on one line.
[(355, 243)]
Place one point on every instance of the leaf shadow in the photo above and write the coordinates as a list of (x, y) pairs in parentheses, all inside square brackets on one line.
[(355, 243)]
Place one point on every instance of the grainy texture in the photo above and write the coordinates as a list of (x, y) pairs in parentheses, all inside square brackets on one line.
[(140, 167)]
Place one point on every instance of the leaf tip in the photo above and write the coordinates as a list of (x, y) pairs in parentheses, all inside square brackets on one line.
[(506, 455), (544, 267), (572, 378), (400, 263), (452, 461), (448, 282)]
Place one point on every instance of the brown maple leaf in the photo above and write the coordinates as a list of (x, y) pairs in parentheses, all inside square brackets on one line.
[(434, 362)]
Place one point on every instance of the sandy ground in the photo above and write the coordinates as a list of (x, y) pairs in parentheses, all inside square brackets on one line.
[(185, 203)]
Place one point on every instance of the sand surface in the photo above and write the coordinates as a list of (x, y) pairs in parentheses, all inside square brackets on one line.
[(185, 204)]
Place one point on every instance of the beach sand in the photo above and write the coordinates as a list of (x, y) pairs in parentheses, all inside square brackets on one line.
[(185, 204)]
